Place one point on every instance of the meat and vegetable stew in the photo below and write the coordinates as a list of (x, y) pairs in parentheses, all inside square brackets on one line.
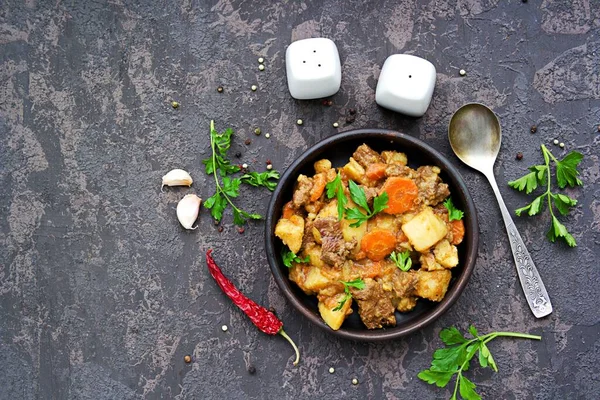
[(375, 232)]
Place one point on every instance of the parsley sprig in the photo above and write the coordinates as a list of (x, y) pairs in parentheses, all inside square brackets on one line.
[(454, 214), (228, 188), (402, 260), (566, 175), (357, 283), (357, 194), (336, 188), (289, 257), (455, 358)]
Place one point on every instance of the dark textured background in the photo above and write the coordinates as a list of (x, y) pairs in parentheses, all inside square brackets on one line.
[(102, 293)]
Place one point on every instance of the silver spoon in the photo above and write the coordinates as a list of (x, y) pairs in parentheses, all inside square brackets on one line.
[(475, 136)]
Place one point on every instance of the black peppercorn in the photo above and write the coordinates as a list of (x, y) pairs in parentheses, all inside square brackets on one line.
[(352, 111), (238, 154), (519, 156), (533, 129), (251, 369)]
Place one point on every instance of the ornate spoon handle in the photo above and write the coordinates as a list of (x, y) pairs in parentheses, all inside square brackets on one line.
[(532, 284)]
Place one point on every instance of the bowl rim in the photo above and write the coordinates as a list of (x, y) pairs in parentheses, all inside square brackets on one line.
[(383, 334)]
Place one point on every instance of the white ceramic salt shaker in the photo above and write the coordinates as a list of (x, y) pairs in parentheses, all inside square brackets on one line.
[(406, 84), (313, 68)]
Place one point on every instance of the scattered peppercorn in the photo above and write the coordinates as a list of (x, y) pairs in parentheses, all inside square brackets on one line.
[(524, 1), (261, 60), (187, 359), (329, 103), (247, 142), (251, 369), (224, 328), (267, 135), (261, 67), (462, 72), (254, 87), (220, 229), (269, 167), (555, 141), (216, 222), (331, 370), (335, 124), (598, 128), (354, 381), (350, 119), (257, 131), (238, 154), (561, 145), (519, 156), (299, 122), (352, 111), (533, 129), (244, 165), (241, 230), (174, 104), (268, 161), (220, 89)]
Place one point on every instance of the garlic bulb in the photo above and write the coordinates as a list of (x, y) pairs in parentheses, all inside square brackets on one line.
[(187, 210), (177, 177)]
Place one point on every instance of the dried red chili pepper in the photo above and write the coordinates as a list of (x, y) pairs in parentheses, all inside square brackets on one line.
[(262, 318)]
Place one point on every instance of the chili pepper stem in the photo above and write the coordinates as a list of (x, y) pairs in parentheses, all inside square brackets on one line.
[(282, 333)]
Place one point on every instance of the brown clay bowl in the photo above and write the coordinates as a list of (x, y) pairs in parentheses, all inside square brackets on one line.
[(338, 149)]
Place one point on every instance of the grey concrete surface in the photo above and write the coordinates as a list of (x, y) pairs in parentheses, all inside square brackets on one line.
[(102, 293)]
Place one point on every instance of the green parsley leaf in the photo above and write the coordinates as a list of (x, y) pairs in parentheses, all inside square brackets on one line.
[(455, 358), (216, 204), (288, 257), (566, 175), (452, 336), (380, 203), (354, 214), (454, 214), (231, 187), (566, 170), (402, 260), (563, 203), (336, 188), (357, 194), (559, 230), (467, 389), (357, 283), (267, 179)]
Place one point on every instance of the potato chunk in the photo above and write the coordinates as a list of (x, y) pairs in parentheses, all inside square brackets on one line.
[(334, 319), (315, 279), (394, 157), (291, 232), (432, 285), (425, 230), (446, 254), (354, 171), (322, 166)]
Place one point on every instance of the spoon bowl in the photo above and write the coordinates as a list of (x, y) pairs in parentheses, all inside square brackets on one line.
[(475, 135)]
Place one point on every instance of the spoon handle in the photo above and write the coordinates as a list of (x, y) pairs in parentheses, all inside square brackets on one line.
[(532, 284)]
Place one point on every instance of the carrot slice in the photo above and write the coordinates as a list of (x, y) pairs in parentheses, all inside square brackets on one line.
[(458, 231), (402, 193), (288, 210), (376, 171), (319, 182), (378, 244)]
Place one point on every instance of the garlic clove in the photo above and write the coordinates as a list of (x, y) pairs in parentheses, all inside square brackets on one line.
[(177, 177), (187, 210)]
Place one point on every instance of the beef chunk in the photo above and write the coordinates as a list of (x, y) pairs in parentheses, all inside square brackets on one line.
[(302, 193), (431, 189), (365, 155), (398, 170), (374, 306), (333, 247), (370, 193), (403, 283)]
